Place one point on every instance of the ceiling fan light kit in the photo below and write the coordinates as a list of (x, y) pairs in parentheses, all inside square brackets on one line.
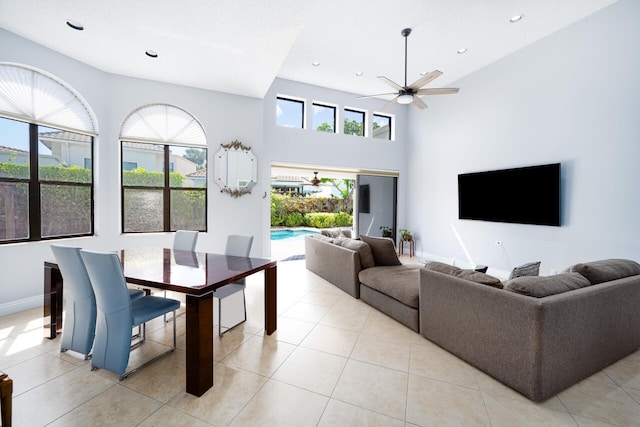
[(405, 99), (410, 94)]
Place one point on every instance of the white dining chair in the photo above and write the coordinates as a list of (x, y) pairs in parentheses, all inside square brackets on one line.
[(238, 246)]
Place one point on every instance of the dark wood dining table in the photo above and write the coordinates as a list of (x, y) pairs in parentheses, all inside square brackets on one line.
[(195, 274)]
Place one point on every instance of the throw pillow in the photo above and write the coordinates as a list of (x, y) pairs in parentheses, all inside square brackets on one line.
[(472, 275), (441, 267), (383, 250), (528, 269), (542, 286), (364, 250), (607, 269), (478, 277)]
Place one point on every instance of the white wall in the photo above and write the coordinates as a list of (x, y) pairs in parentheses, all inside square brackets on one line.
[(309, 147), (224, 118), (574, 98)]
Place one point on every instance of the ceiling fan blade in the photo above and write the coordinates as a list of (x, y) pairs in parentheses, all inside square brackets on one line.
[(390, 83), (375, 96), (426, 79), (419, 102), (438, 91), (388, 105)]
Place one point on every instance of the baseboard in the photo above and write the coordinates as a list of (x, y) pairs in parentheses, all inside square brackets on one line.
[(20, 305)]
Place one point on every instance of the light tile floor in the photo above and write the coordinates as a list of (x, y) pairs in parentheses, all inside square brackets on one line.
[(333, 361)]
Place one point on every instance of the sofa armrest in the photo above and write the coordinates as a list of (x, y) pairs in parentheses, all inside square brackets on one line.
[(337, 264)]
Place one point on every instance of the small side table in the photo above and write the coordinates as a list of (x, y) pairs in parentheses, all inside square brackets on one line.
[(401, 247)]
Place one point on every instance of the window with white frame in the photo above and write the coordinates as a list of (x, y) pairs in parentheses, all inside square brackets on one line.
[(46, 151), (354, 123), (324, 118), (289, 112), (381, 127), (155, 198)]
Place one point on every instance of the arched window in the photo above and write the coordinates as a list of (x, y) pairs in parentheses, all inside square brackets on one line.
[(164, 171), (46, 151)]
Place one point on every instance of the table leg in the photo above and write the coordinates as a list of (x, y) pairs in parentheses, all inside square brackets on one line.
[(6, 391), (52, 301), (270, 300), (199, 351)]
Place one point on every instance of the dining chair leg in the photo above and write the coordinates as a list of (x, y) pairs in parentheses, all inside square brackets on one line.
[(161, 355)]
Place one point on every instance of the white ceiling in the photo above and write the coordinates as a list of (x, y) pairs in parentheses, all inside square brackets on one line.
[(240, 46)]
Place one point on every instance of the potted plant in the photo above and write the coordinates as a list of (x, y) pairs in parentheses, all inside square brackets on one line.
[(406, 235), (386, 231)]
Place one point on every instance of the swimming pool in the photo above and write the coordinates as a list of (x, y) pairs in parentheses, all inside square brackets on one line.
[(289, 234)]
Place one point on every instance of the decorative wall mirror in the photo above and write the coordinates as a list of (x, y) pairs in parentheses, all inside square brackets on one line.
[(236, 169)]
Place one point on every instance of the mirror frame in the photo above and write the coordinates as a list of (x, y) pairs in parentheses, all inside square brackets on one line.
[(221, 165)]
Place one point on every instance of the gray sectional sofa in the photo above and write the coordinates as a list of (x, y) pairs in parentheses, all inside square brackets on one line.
[(368, 269), (538, 335)]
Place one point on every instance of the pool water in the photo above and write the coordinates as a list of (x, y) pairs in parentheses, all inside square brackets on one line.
[(288, 234)]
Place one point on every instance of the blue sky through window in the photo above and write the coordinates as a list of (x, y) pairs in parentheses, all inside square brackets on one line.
[(289, 113), (324, 114)]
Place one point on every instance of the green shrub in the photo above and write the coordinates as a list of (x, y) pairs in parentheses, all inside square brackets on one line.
[(343, 219), (320, 219), (294, 219)]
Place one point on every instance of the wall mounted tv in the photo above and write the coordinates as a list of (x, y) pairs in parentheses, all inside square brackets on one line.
[(527, 195)]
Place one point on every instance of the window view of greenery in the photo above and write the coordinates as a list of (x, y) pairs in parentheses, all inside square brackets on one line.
[(64, 186), (148, 202), (381, 127), (353, 122), (324, 118), (292, 208), (289, 113)]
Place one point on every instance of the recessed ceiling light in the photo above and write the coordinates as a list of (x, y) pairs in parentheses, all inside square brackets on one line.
[(516, 18), (462, 50), (151, 54), (75, 25), (315, 63), (424, 73), (359, 73)]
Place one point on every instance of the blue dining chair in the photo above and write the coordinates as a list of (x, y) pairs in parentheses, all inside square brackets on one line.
[(79, 325), (240, 246), (117, 314)]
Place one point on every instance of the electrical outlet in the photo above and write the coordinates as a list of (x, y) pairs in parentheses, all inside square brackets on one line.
[(498, 242)]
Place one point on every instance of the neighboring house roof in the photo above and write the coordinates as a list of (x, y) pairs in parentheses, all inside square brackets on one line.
[(200, 173), (12, 150), (289, 179), (64, 135), (47, 138)]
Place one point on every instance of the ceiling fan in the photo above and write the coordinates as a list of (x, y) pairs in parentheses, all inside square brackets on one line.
[(315, 181), (410, 94)]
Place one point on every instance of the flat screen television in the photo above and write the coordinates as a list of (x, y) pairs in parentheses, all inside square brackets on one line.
[(527, 195)]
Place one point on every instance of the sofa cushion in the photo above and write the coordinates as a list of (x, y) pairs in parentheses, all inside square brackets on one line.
[(472, 275), (363, 249), (528, 269), (400, 282), (542, 286), (606, 270), (335, 232), (323, 238), (383, 249)]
